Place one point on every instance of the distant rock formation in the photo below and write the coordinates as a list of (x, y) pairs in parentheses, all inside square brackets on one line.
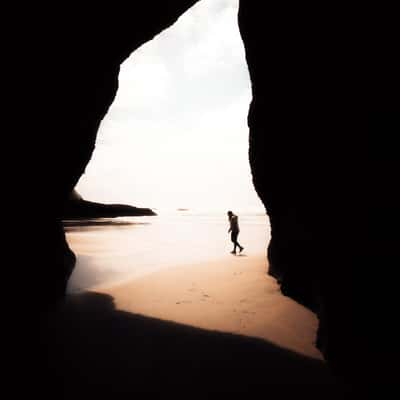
[(78, 208)]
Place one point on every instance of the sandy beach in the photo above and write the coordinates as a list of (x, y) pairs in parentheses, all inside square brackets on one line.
[(232, 295), (161, 306), (220, 326)]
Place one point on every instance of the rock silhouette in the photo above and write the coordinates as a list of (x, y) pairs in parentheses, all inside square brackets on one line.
[(78, 208), (323, 124)]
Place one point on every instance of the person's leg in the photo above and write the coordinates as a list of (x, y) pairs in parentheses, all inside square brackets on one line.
[(234, 241), (238, 244)]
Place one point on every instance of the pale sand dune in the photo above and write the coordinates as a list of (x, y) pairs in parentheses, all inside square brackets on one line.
[(232, 295)]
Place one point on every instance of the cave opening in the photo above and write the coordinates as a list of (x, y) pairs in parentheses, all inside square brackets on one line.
[(175, 140), (176, 135), (166, 151)]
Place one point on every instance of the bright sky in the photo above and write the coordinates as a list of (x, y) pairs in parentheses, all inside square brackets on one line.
[(176, 135)]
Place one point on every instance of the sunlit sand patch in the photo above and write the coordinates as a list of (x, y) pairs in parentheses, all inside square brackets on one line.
[(248, 303)]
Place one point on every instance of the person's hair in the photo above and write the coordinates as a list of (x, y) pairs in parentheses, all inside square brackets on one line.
[(230, 212)]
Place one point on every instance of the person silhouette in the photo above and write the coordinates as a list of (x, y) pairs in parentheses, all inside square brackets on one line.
[(234, 230)]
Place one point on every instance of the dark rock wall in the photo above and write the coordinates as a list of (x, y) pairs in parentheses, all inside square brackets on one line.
[(65, 80), (315, 74), (293, 156), (323, 122), (78, 71)]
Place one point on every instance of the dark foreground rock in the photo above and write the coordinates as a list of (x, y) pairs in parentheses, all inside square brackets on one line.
[(323, 121)]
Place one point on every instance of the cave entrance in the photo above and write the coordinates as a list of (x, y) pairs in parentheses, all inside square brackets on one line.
[(176, 135), (175, 140)]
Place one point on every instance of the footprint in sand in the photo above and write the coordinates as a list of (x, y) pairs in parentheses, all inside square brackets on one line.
[(242, 323), (205, 297)]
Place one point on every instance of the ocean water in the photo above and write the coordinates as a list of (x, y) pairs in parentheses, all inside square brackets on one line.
[(117, 249)]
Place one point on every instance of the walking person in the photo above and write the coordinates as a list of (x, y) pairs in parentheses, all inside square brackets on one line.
[(234, 230)]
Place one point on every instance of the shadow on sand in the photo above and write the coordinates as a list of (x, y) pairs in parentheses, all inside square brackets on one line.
[(90, 347)]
